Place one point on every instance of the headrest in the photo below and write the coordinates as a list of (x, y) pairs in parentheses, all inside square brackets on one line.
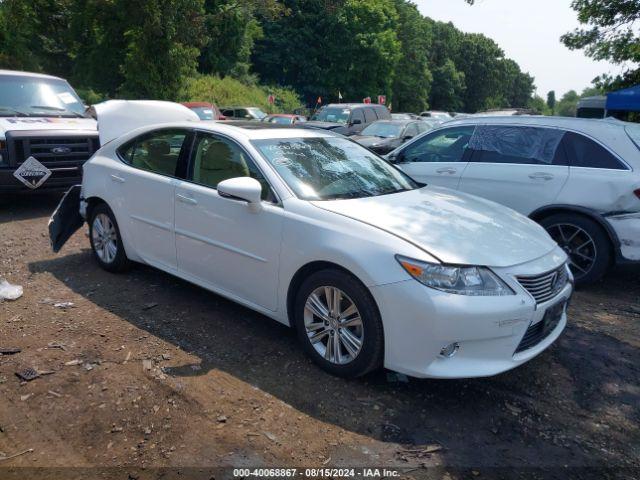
[(158, 147), (217, 156)]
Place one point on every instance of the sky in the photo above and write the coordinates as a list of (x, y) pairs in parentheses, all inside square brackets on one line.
[(529, 32)]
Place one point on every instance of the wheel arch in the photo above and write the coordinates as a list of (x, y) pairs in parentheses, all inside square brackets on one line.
[(309, 269), (544, 212)]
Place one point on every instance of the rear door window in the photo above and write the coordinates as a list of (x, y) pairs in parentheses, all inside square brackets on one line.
[(584, 152), (369, 115), (447, 145), (157, 152), (357, 115), (517, 145)]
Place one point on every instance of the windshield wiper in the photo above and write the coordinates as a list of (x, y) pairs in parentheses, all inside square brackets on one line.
[(56, 109), (14, 111)]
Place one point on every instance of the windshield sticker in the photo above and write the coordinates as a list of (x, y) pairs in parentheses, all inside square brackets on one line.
[(67, 98), (32, 173)]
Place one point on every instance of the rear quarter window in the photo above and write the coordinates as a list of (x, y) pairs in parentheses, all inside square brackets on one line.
[(584, 152)]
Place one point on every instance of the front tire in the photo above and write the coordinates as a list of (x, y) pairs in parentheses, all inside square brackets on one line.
[(338, 324), (106, 241), (585, 242)]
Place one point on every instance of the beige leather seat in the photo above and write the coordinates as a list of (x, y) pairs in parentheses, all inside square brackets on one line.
[(217, 163)]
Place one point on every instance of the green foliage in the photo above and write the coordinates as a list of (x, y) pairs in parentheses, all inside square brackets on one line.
[(321, 48), (412, 82), (158, 49), (163, 48), (229, 91), (609, 32), (538, 105), (551, 101), (568, 104)]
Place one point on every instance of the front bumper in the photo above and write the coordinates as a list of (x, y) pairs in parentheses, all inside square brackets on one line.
[(419, 322), (627, 229), (61, 179)]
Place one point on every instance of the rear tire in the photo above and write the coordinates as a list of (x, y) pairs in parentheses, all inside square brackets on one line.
[(585, 242), (106, 241), (338, 324)]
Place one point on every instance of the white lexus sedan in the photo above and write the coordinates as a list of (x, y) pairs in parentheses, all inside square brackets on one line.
[(371, 268)]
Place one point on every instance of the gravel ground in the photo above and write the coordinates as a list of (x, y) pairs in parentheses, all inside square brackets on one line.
[(146, 371)]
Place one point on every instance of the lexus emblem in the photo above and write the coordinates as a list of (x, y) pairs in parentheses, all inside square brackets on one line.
[(60, 150)]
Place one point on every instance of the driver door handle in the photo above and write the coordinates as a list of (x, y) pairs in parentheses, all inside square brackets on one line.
[(117, 179), (541, 176), (187, 200), (447, 170)]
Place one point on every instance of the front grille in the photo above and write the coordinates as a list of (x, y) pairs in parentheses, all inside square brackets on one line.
[(541, 330), (545, 286), (55, 151)]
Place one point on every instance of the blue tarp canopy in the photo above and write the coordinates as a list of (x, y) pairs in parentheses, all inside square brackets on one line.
[(626, 100)]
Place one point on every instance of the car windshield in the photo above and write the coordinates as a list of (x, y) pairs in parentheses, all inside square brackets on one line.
[(257, 113), (38, 97), (205, 113), (280, 120), (334, 115), (383, 129), (332, 168)]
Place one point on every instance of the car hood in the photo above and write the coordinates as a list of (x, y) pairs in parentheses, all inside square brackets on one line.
[(369, 141), (456, 228), (8, 124), (339, 127)]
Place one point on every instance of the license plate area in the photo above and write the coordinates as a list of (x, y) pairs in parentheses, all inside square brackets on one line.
[(537, 332)]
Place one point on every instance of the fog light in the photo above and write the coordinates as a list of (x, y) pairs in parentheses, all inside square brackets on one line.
[(450, 350)]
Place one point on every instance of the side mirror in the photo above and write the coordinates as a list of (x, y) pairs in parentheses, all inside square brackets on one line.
[(395, 157), (246, 189), (356, 121)]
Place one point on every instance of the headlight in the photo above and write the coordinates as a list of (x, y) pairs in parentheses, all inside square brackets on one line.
[(475, 281)]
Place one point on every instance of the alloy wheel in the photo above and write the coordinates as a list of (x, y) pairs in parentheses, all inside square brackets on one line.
[(578, 245), (333, 325), (105, 238)]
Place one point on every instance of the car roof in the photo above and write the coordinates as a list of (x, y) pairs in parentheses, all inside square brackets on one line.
[(258, 130), (18, 73), (285, 115), (571, 123), (396, 121), (354, 105), (197, 104)]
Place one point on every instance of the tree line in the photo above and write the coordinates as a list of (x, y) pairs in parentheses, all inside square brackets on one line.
[(319, 48)]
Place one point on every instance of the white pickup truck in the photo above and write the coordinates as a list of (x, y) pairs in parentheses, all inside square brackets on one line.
[(45, 135)]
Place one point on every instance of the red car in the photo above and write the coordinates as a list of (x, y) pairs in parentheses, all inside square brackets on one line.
[(284, 118), (205, 110)]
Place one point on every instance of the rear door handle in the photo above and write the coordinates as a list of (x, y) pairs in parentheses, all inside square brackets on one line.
[(187, 200), (117, 179), (541, 176), (448, 170)]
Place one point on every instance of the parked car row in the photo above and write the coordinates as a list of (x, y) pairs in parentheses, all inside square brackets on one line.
[(578, 178), (371, 267), (408, 262)]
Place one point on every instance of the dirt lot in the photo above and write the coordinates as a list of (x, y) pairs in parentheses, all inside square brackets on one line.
[(150, 371)]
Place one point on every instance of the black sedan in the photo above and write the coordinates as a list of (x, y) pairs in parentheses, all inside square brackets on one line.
[(384, 136)]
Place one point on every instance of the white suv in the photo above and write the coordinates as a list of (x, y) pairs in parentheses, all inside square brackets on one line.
[(579, 178)]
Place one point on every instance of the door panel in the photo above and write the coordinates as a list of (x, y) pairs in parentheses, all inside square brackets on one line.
[(148, 185), (521, 167), (223, 243), (438, 158), (524, 188)]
